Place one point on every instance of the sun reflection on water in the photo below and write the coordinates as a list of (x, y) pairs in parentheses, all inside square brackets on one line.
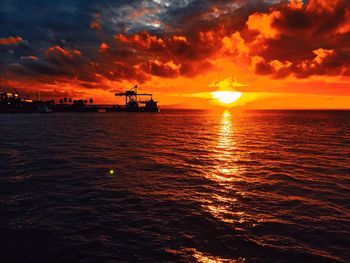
[(202, 258), (225, 149), (223, 204)]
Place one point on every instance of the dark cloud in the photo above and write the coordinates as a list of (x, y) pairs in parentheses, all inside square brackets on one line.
[(63, 56), (92, 41), (300, 33)]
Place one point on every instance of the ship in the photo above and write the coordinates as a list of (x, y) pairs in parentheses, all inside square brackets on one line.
[(137, 102)]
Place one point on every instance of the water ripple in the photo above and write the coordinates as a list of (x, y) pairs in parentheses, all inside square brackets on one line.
[(186, 186)]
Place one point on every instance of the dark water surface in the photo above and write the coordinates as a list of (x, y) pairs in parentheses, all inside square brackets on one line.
[(189, 186)]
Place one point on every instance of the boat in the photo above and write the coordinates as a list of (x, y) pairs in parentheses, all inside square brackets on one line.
[(137, 102)]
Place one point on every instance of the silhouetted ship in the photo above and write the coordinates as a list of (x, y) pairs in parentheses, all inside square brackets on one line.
[(134, 102)]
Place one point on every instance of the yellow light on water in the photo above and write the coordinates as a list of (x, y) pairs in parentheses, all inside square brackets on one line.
[(111, 172), (226, 97)]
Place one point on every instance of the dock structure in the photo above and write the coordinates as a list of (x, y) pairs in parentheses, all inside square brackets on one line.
[(133, 103), (13, 103)]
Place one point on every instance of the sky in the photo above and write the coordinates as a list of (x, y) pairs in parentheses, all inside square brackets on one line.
[(278, 54)]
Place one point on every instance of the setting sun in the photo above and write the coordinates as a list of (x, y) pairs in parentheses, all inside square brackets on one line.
[(178, 130), (226, 97)]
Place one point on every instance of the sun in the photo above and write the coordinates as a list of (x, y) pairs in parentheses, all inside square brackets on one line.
[(226, 97)]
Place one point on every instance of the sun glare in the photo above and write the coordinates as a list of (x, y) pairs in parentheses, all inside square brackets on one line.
[(226, 97)]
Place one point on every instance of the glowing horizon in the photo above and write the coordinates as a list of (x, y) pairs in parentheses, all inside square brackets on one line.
[(226, 97), (278, 55)]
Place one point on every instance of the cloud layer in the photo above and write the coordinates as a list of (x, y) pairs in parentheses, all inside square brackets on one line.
[(94, 44)]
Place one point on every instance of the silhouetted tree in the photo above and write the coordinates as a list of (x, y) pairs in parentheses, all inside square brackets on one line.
[(79, 103), (70, 100), (65, 99), (91, 100), (61, 101)]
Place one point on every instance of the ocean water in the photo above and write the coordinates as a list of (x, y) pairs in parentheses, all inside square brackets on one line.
[(175, 186)]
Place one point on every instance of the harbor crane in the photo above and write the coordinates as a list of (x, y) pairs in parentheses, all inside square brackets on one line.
[(132, 102)]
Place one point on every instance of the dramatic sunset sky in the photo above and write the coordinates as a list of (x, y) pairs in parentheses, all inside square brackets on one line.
[(277, 54)]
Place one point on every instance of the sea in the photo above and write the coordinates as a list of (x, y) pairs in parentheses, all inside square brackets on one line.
[(175, 186)]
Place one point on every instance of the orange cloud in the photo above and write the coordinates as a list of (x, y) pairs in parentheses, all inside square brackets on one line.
[(122, 38), (103, 46), (264, 24), (322, 54), (296, 4), (289, 35), (319, 6), (171, 56), (290, 46), (279, 69), (11, 40), (344, 27), (235, 44), (62, 52), (143, 39), (180, 39)]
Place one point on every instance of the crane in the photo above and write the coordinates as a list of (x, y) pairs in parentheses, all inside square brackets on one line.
[(132, 103)]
